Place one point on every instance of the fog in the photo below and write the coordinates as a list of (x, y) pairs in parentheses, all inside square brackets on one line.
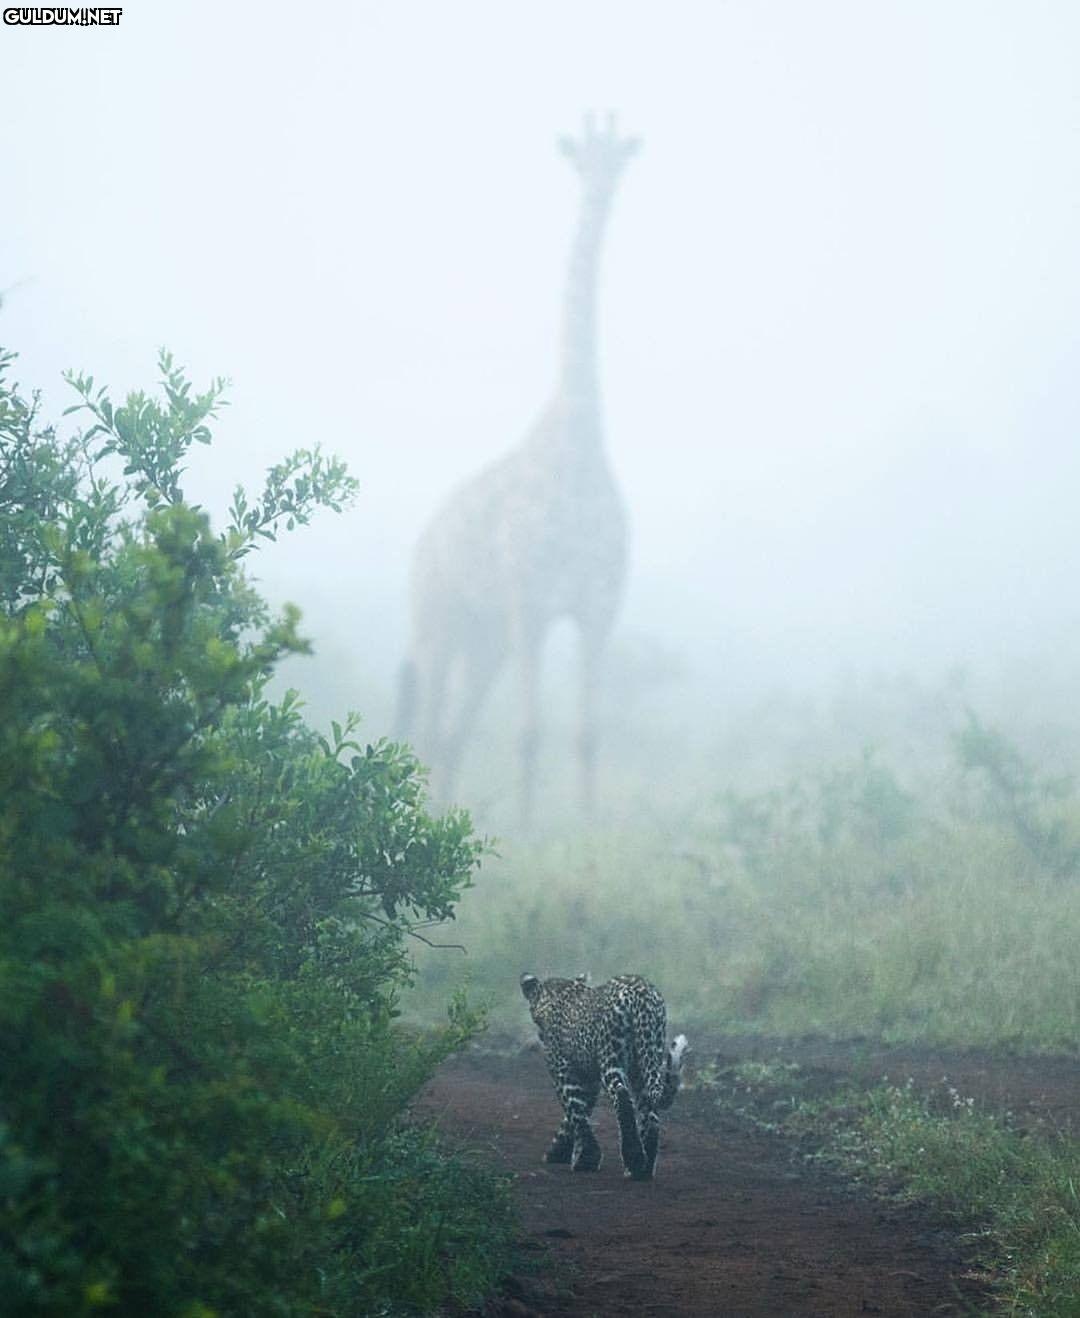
[(840, 309)]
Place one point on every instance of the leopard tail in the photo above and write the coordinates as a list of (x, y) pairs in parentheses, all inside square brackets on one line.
[(655, 1066), (673, 1061)]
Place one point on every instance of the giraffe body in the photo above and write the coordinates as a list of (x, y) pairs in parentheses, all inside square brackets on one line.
[(537, 536)]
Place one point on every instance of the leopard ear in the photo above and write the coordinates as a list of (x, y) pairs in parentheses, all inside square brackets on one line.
[(583, 978), (530, 986)]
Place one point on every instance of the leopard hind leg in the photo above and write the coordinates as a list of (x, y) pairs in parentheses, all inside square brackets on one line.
[(649, 1130), (630, 1146), (650, 1095)]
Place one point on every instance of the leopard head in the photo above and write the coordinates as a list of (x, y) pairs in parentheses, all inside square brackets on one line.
[(547, 997)]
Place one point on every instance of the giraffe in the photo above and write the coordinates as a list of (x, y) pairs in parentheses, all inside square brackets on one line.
[(537, 536)]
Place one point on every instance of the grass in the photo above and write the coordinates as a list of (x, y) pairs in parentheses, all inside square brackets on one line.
[(435, 1230), (928, 899), (1013, 1195), (928, 936)]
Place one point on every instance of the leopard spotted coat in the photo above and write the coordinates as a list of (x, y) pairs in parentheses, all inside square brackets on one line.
[(613, 1036)]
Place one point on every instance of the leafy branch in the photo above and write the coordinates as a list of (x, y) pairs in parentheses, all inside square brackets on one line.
[(151, 439), (306, 480)]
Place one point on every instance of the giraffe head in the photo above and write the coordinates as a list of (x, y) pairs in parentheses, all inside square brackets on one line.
[(599, 155)]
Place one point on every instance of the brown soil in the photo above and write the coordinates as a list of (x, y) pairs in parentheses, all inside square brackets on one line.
[(1037, 1092), (736, 1223)]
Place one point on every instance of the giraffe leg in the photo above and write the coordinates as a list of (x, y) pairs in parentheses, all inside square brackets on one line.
[(433, 680), (480, 668), (591, 647), (528, 748)]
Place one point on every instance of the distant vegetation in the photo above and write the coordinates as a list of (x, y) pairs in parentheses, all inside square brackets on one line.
[(867, 895), (203, 913)]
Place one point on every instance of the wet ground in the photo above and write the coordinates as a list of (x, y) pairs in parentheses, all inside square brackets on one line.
[(736, 1223)]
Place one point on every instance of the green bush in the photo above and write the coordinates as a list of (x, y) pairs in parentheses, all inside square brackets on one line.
[(203, 907)]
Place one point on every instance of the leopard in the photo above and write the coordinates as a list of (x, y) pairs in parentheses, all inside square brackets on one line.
[(613, 1037)]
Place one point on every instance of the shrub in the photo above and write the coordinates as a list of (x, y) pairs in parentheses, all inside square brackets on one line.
[(203, 906)]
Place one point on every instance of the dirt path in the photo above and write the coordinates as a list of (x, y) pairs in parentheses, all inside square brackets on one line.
[(732, 1226)]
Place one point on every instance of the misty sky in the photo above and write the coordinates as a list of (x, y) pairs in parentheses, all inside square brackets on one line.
[(840, 311)]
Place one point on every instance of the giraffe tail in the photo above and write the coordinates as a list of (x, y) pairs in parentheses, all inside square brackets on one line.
[(406, 699)]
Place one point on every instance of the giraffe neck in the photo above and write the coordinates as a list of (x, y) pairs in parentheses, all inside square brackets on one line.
[(579, 382)]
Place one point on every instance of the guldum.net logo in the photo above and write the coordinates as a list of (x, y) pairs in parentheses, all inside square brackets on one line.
[(57, 16)]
